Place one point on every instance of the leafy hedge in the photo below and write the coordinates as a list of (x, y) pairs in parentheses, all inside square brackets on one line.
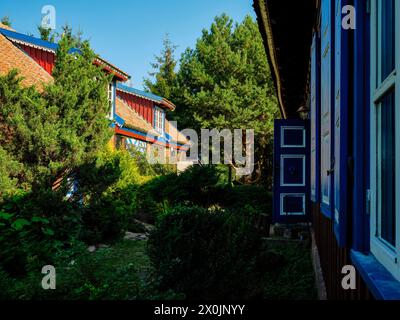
[(200, 186), (37, 224), (210, 254)]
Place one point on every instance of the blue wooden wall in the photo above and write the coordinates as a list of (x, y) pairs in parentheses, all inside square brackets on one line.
[(315, 120), (326, 107)]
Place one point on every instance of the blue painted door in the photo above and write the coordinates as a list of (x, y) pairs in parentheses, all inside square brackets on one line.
[(291, 171)]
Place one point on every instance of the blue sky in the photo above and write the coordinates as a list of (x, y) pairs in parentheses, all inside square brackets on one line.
[(129, 33)]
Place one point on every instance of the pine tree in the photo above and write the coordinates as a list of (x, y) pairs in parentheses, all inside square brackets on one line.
[(46, 34), (6, 21), (75, 39), (165, 83), (60, 128), (225, 83)]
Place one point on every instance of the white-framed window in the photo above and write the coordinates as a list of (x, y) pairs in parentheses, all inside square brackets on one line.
[(138, 145), (111, 96), (385, 133), (159, 119)]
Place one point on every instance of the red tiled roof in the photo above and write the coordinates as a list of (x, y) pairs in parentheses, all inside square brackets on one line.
[(12, 57), (3, 26)]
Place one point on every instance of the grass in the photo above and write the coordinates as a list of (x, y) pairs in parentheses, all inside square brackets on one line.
[(121, 272), (126, 254), (124, 272), (295, 281), (131, 266)]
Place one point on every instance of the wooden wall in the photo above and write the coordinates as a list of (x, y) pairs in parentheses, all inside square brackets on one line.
[(333, 259), (44, 58), (142, 106)]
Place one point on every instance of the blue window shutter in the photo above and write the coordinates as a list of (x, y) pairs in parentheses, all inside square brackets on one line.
[(340, 125), (361, 128), (326, 106), (313, 158)]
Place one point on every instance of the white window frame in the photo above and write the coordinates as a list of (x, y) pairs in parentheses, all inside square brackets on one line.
[(386, 254), (282, 170), (111, 98), (298, 128), (159, 120), (138, 145), (293, 195)]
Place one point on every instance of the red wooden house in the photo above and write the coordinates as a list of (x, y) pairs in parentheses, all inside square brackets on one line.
[(138, 118)]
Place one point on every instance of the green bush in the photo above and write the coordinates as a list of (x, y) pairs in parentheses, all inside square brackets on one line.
[(295, 280), (202, 186), (110, 191), (121, 272), (193, 186), (28, 225), (210, 254), (33, 224), (239, 196)]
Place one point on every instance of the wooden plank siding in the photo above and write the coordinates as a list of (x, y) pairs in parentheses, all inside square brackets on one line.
[(142, 106), (44, 58), (333, 258)]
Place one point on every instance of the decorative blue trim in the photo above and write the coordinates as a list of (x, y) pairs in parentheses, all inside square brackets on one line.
[(139, 93), (318, 121), (315, 118), (341, 150), (326, 210), (280, 189), (29, 39), (361, 128), (160, 139), (379, 281), (327, 89), (33, 41), (119, 121)]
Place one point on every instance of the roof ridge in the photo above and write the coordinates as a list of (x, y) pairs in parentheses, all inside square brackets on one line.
[(4, 26), (12, 57), (144, 94), (33, 41)]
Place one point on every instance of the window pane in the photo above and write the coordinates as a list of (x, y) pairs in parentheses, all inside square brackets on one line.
[(388, 37), (386, 168)]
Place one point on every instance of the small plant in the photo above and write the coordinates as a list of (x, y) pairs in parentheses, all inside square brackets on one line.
[(210, 254)]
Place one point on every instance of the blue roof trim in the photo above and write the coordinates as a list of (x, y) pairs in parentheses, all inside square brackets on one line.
[(159, 139), (119, 120), (33, 40), (378, 280), (140, 93), (29, 39)]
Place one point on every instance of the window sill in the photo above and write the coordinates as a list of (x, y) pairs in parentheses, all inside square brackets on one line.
[(379, 281), (326, 211)]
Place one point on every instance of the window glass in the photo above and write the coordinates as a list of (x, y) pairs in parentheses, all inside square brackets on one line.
[(159, 120), (386, 171), (387, 35)]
